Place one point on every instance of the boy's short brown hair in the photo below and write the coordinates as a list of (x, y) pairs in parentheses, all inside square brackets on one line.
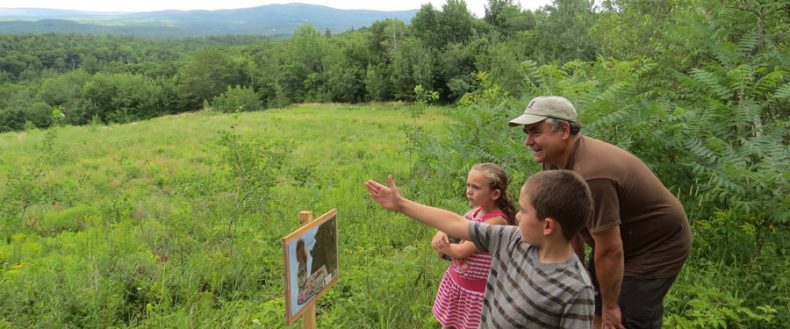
[(562, 195)]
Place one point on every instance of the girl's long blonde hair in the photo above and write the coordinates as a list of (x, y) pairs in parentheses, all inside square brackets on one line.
[(497, 180)]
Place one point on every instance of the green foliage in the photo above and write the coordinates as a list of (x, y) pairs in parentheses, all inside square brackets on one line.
[(254, 168), (57, 117), (349, 58), (237, 99), (454, 74), (724, 152), (564, 37), (742, 154), (72, 219), (455, 23), (630, 30), (425, 25), (64, 90), (414, 64), (302, 75), (39, 115), (208, 75), (478, 133), (737, 278), (709, 307), (28, 186), (11, 120), (161, 225), (491, 93), (133, 231), (118, 98), (507, 17), (376, 84), (425, 96)]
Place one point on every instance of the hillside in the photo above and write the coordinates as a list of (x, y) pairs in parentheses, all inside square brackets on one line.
[(269, 20), (142, 225)]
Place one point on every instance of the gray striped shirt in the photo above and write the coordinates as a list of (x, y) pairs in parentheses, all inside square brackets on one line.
[(521, 292)]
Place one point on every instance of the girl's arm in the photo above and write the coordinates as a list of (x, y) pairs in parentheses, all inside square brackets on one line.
[(460, 250), (446, 221), (441, 241), (467, 248)]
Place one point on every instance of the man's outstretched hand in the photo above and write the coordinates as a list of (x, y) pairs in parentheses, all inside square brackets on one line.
[(387, 197)]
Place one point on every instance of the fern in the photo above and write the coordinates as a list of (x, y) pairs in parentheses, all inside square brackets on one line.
[(711, 81), (748, 42), (782, 92), (615, 90), (645, 69), (552, 77), (701, 151), (610, 120), (724, 51), (531, 74), (740, 78), (768, 82)]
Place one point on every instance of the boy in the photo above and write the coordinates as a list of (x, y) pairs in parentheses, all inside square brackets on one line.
[(536, 280)]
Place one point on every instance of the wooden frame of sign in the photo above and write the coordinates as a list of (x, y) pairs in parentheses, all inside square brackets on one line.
[(311, 265)]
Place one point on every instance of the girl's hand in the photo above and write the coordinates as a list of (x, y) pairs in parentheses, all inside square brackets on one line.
[(460, 265), (387, 197), (440, 241)]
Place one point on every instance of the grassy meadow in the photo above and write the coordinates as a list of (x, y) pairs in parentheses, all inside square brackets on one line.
[(177, 222)]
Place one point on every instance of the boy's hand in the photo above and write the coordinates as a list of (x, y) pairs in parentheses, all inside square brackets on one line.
[(387, 197)]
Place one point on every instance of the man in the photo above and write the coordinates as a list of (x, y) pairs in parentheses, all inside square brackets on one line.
[(639, 232)]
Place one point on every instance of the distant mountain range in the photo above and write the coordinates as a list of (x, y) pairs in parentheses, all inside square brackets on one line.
[(269, 20)]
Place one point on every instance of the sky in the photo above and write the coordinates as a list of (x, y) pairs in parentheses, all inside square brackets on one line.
[(474, 6)]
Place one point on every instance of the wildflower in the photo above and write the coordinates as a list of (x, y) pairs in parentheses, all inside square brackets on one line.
[(21, 265)]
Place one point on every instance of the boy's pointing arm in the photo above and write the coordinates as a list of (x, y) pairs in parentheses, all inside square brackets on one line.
[(444, 220)]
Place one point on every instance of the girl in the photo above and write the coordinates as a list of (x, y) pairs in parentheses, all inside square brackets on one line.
[(459, 300)]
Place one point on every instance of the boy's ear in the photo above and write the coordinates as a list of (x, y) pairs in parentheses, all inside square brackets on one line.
[(549, 226)]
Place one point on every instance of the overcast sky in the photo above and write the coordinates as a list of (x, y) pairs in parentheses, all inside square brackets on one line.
[(475, 6)]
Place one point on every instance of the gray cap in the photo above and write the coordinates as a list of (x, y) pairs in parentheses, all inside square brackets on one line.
[(542, 107)]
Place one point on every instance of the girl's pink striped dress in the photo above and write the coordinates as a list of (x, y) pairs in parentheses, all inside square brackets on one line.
[(459, 301)]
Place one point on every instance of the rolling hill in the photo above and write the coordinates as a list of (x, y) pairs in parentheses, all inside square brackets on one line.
[(268, 20)]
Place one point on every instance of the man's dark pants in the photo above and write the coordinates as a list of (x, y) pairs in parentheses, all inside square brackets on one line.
[(641, 300)]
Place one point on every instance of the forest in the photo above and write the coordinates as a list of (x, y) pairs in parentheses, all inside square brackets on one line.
[(116, 79), (698, 89)]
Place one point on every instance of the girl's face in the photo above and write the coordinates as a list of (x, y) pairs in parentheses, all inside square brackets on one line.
[(478, 192)]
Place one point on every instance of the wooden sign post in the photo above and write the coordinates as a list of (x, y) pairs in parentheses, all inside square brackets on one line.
[(311, 265)]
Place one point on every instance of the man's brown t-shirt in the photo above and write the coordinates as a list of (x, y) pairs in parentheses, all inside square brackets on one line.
[(653, 225)]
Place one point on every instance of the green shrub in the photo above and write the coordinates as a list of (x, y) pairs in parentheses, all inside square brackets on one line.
[(237, 99), (71, 219), (39, 114)]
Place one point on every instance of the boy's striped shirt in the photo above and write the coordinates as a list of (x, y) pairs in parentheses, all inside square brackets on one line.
[(521, 292)]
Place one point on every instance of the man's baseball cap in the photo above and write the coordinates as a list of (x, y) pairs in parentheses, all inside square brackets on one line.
[(542, 107)]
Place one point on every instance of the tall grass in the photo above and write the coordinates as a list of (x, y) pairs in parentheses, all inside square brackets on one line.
[(128, 225)]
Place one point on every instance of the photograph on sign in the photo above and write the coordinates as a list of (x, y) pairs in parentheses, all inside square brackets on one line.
[(310, 262)]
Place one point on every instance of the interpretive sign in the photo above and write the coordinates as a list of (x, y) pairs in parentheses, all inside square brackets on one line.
[(310, 262)]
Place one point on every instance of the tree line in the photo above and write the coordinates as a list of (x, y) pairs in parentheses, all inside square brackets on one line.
[(114, 79)]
